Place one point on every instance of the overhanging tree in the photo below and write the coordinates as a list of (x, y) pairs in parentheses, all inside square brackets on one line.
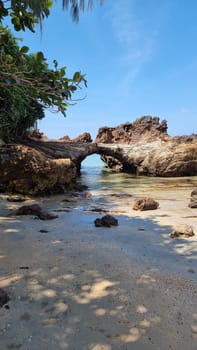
[(28, 86), (26, 13)]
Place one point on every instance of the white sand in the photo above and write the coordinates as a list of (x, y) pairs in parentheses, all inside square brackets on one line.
[(88, 288)]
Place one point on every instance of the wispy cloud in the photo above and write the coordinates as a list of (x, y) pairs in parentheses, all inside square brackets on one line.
[(184, 110), (135, 35)]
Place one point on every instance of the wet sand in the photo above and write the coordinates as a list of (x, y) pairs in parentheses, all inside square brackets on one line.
[(79, 287)]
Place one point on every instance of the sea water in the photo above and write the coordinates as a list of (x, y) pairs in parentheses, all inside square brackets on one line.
[(109, 189)]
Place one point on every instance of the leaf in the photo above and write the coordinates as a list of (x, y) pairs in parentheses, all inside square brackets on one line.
[(24, 49), (55, 63), (62, 71), (77, 77), (40, 56)]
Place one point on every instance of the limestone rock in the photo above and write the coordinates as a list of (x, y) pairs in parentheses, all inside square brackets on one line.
[(146, 126), (145, 204), (182, 231), (145, 148), (27, 170), (106, 221), (43, 166)]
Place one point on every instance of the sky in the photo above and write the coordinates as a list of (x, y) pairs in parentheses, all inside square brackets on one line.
[(139, 58)]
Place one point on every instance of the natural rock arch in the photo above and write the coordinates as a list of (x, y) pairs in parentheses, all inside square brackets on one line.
[(143, 148)]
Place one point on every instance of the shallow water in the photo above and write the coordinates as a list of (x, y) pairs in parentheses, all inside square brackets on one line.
[(111, 191), (101, 181)]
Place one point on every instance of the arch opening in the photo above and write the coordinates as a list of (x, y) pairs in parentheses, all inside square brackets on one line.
[(93, 160)]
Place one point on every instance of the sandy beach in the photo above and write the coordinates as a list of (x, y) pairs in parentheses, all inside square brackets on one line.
[(78, 287)]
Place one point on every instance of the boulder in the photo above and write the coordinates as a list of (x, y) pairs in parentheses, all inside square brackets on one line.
[(182, 231), (35, 209), (106, 221), (145, 204)]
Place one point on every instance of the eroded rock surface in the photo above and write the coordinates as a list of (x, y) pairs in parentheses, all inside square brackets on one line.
[(147, 127), (145, 148), (27, 170), (43, 166)]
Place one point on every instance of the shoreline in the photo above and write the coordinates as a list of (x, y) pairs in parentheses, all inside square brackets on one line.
[(79, 287)]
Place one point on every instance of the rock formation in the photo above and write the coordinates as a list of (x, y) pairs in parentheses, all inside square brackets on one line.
[(147, 128), (145, 148), (26, 170), (38, 165), (85, 137)]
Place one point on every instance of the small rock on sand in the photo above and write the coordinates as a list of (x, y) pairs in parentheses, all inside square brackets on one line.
[(182, 231), (145, 204)]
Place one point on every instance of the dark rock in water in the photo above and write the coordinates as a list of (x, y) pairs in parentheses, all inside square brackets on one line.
[(24, 267), (121, 195), (4, 297), (106, 221), (193, 200), (87, 195), (182, 231), (145, 204), (98, 209), (35, 209), (16, 199)]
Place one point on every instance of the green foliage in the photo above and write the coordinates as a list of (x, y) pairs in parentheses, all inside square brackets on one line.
[(25, 14), (28, 86)]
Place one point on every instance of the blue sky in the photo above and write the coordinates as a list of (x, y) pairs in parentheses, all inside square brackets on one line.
[(139, 58)]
